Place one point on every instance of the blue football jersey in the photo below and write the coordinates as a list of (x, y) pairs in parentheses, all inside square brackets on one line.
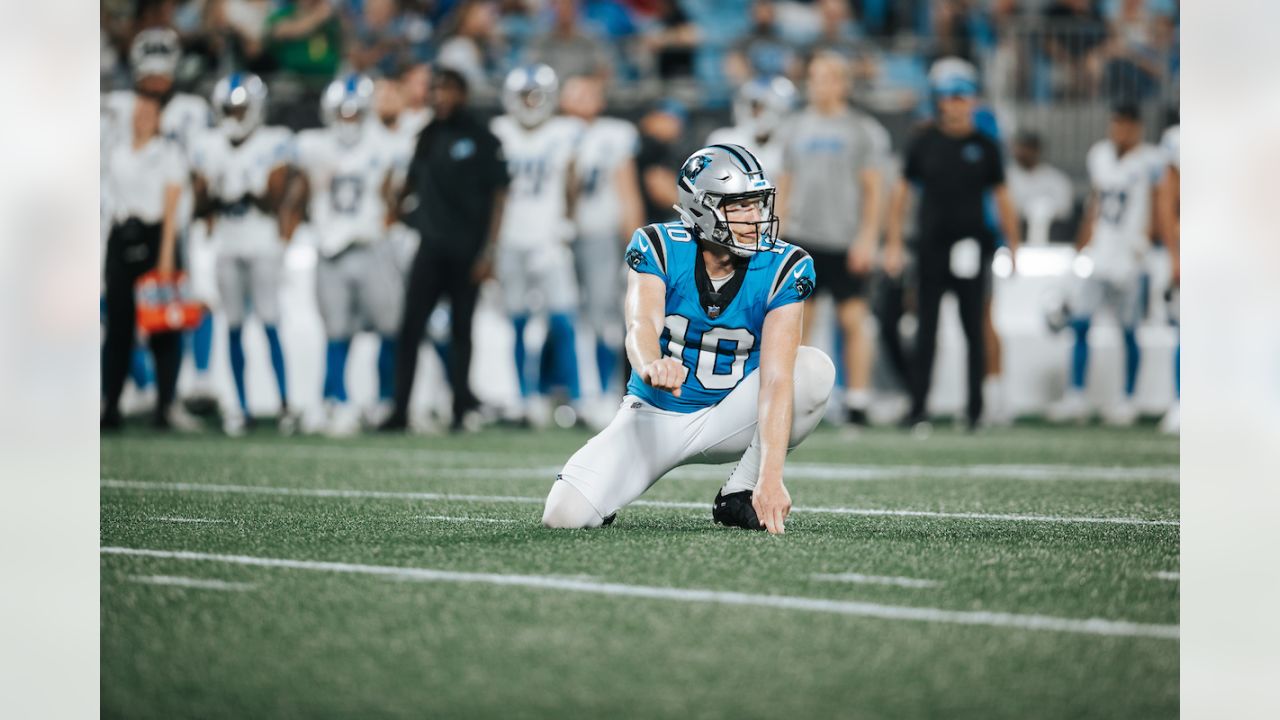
[(715, 334)]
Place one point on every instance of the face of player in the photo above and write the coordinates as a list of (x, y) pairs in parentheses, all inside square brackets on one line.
[(956, 111), (745, 216), (446, 98), (1026, 155), (415, 86), (1124, 132), (828, 83), (387, 102)]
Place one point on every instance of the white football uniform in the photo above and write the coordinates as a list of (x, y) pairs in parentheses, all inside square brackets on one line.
[(358, 283), (769, 153), (247, 240), (347, 206), (402, 141), (605, 145), (1121, 230), (534, 264), (1122, 225)]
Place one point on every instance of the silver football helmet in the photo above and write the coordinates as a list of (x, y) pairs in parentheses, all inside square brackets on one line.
[(529, 94), (763, 103), (346, 104), (239, 104), (155, 51), (725, 198)]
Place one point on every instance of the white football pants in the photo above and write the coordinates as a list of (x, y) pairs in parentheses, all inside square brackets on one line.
[(643, 443)]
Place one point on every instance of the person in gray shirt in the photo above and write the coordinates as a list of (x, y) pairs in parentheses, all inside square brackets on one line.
[(829, 198)]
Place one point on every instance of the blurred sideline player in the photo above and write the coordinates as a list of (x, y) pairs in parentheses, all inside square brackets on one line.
[(606, 209), (759, 108), (345, 181), (534, 263), (714, 309), (153, 59), (241, 170), (1114, 236), (1169, 201), (830, 191)]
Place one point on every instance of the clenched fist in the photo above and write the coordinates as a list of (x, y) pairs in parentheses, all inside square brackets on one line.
[(665, 373)]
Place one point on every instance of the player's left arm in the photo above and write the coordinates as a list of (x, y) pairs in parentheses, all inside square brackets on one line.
[(778, 347)]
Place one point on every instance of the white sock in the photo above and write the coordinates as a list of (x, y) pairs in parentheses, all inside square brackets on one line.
[(746, 473)]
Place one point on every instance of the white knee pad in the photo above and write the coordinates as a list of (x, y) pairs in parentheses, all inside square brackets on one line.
[(567, 508), (815, 378)]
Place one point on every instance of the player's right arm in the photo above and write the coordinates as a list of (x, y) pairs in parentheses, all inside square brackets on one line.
[(645, 313), (1170, 224)]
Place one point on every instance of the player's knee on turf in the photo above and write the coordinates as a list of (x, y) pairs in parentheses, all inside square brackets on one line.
[(567, 508)]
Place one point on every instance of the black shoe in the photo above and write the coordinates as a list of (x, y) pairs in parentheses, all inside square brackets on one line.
[(201, 405), (609, 520), (735, 510), (856, 417), (110, 422)]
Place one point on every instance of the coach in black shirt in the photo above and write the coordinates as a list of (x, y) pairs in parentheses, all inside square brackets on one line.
[(954, 167), (454, 195)]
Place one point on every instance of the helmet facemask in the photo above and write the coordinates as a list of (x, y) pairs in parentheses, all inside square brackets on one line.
[(745, 223)]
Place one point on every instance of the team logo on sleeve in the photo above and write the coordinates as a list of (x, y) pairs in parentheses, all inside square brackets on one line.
[(803, 285), (634, 258)]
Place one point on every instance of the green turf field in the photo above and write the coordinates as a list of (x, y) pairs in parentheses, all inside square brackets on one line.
[(1018, 573)]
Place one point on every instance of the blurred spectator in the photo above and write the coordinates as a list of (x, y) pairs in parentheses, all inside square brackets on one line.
[(383, 38), (953, 30), (305, 37), (659, 158), (567, 48), (1135, 50), (672, 39), (1041, 193), (235, 31), (1071, 41), (471, 48), (839, 33), (762, 52)]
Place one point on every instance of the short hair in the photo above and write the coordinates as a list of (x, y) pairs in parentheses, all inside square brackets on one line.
[(1028, 138), (448, 75), (1126, 110)]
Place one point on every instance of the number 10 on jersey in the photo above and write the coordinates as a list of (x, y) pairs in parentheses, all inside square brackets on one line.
[(719, 346)]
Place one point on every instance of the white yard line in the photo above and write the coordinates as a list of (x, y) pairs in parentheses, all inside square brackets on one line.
[(859, 578), (1167, 575), (804, 471), (402, 495), (190, 582), (184, 520), (1091, 626), (454, 518)]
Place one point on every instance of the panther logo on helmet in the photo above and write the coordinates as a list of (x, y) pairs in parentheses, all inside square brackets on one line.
[(694, 166)]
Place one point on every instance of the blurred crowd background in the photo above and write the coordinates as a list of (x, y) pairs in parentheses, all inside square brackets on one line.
[(1053, 66)]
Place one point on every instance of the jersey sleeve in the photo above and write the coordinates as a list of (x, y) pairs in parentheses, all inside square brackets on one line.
[(794, 281), (646, 253), (496, 174)]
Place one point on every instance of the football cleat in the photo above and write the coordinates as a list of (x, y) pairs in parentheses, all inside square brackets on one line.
[(735, 510)]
